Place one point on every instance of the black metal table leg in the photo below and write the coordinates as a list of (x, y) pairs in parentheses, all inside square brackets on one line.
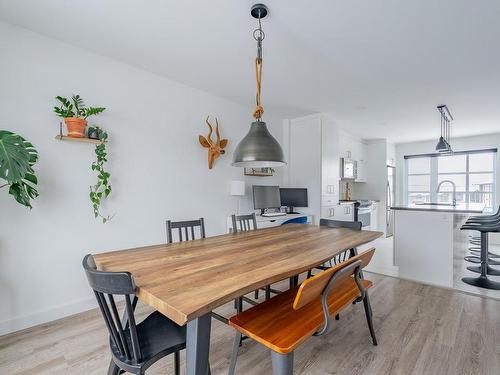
[(198, 345), (282, 363)]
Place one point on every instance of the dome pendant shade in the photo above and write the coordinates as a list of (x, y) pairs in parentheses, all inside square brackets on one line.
[(258, 149), (442, 145)]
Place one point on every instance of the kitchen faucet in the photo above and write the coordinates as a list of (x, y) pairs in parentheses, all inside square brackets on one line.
[(454, 190)]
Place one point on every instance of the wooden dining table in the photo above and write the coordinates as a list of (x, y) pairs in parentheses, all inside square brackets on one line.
[(185, 281)]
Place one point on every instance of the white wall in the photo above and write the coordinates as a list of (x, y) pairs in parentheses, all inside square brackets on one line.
[(158, 169)]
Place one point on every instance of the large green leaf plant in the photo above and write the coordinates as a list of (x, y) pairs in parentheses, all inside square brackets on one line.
[(17, 157)]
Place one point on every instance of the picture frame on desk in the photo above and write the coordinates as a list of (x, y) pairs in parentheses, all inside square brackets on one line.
[(260, 172)]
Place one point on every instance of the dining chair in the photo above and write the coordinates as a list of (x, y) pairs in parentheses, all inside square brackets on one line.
[(287, 320), (186, 231), (134, 346), (344, 255), (243, 223), (188, 227)]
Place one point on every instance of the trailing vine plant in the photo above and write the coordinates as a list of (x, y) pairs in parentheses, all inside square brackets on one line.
[(102, 188)]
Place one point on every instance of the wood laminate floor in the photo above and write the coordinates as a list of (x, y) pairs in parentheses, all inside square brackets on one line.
[(421, 330)]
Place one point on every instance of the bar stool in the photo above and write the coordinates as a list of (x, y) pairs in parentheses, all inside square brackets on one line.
[(483, 227), (483, 218), (475, 241)]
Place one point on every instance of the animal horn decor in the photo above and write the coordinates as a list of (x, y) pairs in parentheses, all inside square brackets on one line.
[(215, 149)]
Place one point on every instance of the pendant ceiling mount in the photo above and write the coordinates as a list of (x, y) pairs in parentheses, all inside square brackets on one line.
[(258, 149), (443, 146), (259, 11)]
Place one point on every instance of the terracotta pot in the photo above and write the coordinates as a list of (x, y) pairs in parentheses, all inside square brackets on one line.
[(76, 127)]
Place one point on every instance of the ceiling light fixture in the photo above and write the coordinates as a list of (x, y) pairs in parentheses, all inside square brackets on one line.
[(443, 146), (258, 149)]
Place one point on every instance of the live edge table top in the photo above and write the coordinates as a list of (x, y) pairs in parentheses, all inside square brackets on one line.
[(186, 280)]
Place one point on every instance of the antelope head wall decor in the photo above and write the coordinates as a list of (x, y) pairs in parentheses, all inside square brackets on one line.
[(215, 149)]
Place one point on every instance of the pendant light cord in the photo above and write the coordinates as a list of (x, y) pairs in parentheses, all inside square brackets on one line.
[(259, 36), (259, 109)]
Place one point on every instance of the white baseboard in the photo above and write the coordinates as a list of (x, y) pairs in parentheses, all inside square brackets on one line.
[(46, 315), (383, 270)]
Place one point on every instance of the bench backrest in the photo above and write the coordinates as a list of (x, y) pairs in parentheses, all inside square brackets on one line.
[(313, 288)]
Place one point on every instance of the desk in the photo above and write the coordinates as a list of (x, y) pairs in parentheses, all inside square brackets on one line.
[(185, 281), (274, 221)]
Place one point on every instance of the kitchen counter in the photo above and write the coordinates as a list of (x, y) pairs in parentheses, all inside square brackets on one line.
[(424, 240), (460, 208)]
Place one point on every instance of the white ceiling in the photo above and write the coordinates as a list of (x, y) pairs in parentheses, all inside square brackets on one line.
[(379, 67)]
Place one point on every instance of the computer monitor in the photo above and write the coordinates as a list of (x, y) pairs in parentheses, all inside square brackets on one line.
[(293, 197), (266, 197)]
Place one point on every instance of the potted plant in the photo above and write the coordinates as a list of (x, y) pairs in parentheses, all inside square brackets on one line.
[(93, 132), (75, 114), (17, 157)]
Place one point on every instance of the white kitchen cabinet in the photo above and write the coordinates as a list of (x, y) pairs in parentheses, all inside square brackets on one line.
[(327, 212), (355, 149), (330, 158), (314, 161), (374, 217), (342, 212), (329, 201), (351, 146), (361, 171)]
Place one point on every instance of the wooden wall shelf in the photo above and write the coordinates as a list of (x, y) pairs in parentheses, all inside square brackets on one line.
[(83, 140)]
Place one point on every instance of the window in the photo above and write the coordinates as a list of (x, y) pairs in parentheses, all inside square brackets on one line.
[(419, 179), (472, 172)]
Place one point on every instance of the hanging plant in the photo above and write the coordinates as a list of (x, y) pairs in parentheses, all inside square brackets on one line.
[(17, 158), (102, 188)]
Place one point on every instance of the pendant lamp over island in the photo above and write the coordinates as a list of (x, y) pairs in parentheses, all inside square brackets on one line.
[(443, 146), (258, 149)]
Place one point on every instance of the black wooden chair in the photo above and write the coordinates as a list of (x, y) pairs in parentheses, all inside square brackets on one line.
[(187, 232), (134, 347), (188, 226), (243, 223), (343, 256)]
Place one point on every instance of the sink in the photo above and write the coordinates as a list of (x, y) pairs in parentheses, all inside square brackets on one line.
[(433, 204)]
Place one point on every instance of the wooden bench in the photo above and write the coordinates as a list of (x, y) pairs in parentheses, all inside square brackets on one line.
[(284, 322)]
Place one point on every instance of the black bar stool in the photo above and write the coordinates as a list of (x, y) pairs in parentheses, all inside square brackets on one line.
[(483, 227), (483, 218), (475, 241)]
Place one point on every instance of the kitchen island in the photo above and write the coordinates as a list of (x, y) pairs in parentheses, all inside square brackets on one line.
[(424, 239)]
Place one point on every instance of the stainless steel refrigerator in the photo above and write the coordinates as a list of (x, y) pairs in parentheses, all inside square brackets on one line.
[(390, 200)]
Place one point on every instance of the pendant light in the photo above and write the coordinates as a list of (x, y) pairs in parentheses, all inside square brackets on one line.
[(443, 146), (258, 149)]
